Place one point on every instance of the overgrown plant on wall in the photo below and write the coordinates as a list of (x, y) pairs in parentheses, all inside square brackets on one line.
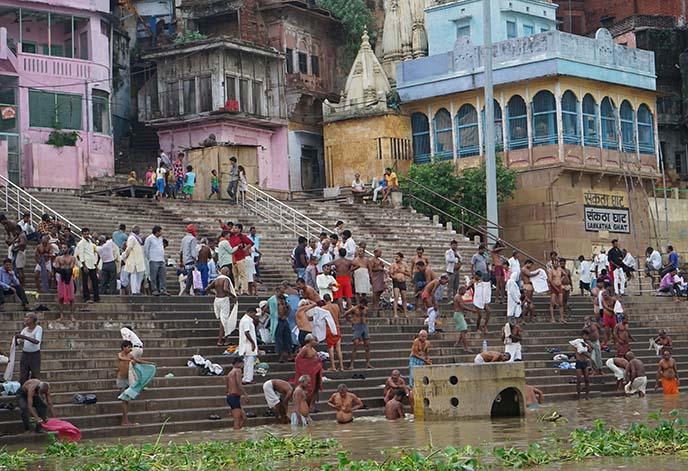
[(59, 138), (355, 17), (466, 189), (188, 36)]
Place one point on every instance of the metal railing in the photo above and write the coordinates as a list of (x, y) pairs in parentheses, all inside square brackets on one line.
[(288, 218), (482, 230), (17, 202)]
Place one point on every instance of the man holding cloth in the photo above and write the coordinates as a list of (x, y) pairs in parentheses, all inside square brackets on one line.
[(248, 346)]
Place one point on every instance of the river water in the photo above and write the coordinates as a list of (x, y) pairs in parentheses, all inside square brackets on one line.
[(367, 437)]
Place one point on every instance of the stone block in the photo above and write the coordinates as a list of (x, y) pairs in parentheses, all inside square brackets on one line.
[(469, 390), (331, 192)]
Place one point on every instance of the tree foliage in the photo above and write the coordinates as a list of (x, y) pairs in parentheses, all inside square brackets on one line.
[(466, 189), (355, 17)]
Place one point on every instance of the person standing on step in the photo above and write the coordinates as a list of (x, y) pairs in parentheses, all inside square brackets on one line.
[(617, 267), (109, 259), (225, 251), (300, 415), (479, 263), (498, 270), (233, 185), (160, 179), (255, 238), (178, 174), (333, 341), (420, 354), (592, 330), (622, 337), (236, 394), (461, 326), (361, 334), (28, 228), (119, 237), (482, 296), (432, 293), (349, 244), (248, 344), (343, 276), (189, 183), (345, 403), (400, 274), (222, 286), (64, 266), (556, 291), (32, 338), (300, 257), (135, 264), (377, 279), (667, 371), (452, 260), (154, 252), (278, 394), (242, 187), (585, 275), (242, 245), (583, 356), (87, 257), (43, 270), (361, 274), (512, 333), (188, 256), (204, 256)]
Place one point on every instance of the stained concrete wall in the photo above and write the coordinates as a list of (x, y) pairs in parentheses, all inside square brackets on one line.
[(366, 145), (464, 390)]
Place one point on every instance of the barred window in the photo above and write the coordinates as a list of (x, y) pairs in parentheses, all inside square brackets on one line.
[(54, 110)]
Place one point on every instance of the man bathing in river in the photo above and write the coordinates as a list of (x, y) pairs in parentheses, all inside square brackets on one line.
[(345, 403), (668, 373), (534, 397), (635, 374), (300, 407), (278, 393), (618, 366), (394, 409), (394, 383)]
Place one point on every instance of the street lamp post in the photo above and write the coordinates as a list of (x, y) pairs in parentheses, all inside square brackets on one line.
[(490, 159)]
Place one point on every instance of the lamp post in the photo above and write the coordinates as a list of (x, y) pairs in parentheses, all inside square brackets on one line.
[(490, 159)]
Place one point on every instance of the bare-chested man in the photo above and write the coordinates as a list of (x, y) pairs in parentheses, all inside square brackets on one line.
[(303, 320), (400, 274), (343, 276), (582, 366), (18, 253), (360, 268), (394, 383), (461, 308), (556, 292), (377, 278), (481, 301), (278, 393), (623, 337), (64, 266), (125, 358), (618, 366), (661, 342), (300, 415), (205, 253), (430, 296), (236, 394), (394, 408), (566, 284), (306, 291), (607, 305), (635, 374), (334, 342), (359, 323), (528, 304), (222, 286), (592, 331), (43, 270), (345, 403), (491, 357), (35, 400), (419, 257), (422, 276), (668, 373), (534, 397)]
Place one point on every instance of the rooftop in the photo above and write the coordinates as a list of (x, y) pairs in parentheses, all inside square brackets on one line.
[(200, 45), (546, 54)]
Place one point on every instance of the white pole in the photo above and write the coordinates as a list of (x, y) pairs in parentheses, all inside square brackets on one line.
[(490, 160)]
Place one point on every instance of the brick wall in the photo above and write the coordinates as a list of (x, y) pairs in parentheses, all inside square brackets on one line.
[(251, 27), (620, 9)]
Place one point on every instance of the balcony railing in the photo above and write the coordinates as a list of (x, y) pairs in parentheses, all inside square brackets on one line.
[(61, 67)]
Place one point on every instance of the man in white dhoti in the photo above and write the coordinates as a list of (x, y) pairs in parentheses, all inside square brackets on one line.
[(513, 296), (482, 295), (511, 336), (224, 290)]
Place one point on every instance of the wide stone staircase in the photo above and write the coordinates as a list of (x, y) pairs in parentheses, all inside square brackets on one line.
[(80, 357)]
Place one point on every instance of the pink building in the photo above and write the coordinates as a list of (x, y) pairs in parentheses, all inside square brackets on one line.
[(55, 88)]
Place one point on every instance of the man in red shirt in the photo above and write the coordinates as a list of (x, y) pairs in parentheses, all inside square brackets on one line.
[(244, 244)]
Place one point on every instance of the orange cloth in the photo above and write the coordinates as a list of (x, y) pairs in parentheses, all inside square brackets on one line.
[(669, 386)]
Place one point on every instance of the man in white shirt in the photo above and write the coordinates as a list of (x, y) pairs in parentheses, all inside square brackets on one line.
[(248, 345), (452, 259), (325, 255), (585, 275), (515, 265), (326, 282), (28, 228), (32, 336), (653, 261), (349, 245), (357, 186), (601, 262), (87, 259), (154, 252), (109, 259)]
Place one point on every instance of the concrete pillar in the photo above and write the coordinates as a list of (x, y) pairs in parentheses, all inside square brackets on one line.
[(435, 219), (455, 152), (450, 226), (560, 121)]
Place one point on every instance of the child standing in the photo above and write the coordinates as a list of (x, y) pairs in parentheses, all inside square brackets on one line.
[(160, 180), (189, 183), (243, 185), (214, 184), (150, 174)]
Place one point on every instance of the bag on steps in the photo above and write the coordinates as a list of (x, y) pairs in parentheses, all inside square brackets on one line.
[(85, 399)]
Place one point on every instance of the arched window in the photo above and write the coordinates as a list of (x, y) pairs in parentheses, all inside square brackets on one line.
[(591, 136), (467, 139), (443, 134), (420, 131), (610, 133), (544, 119), (646, 130), (517, 121), (498, 127), (569, 118), (627, 126)]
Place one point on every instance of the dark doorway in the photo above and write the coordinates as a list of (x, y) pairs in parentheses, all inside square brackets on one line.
[(311, 173), (508, 403)]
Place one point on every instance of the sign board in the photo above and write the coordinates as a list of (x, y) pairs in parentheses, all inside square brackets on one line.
[(606, 212)]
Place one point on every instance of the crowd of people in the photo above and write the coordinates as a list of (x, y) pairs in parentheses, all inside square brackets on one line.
[(336, 279)]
